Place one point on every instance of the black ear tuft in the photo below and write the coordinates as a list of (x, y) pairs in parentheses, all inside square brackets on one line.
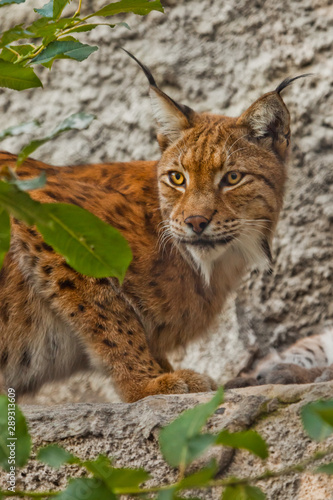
[(182, 107), (172, 118), (287, 81), (144, 68)]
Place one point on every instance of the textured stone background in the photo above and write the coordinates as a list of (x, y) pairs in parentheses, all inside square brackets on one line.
[(218, 56), (128, 433)]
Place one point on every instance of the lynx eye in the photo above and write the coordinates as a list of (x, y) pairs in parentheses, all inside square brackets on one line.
[(233, 178), (176, 178)]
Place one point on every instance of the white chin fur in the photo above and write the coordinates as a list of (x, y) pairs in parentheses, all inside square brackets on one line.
[(205, 258), (247, 246)]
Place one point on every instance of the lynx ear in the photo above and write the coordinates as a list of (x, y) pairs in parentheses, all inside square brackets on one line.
[(268, 121), (269, 118), (172, 118)]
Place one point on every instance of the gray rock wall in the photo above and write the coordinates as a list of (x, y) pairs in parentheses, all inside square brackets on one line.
[(129, 434), (218, 56)]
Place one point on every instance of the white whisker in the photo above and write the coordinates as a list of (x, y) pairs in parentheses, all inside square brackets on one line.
[(225, 144), (233, 152), (239, 138)]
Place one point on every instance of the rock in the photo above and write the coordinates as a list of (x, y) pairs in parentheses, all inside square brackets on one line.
[(129, 432)]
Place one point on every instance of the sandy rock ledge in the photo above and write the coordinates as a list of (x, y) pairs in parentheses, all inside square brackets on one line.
[(129, 432)]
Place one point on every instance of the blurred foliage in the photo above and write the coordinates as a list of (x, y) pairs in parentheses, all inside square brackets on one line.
[(180, 442)]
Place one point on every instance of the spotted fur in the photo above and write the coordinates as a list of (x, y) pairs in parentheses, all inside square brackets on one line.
[(191, 244)]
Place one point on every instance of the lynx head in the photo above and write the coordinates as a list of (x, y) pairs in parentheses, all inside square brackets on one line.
[(221, 180)]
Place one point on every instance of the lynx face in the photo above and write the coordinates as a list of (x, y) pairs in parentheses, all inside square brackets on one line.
[(221, 179), (220, 192)]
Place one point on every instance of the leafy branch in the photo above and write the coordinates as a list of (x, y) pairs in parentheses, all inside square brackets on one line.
[(50, 38), (73, 232), (181, 442), (88, 244)]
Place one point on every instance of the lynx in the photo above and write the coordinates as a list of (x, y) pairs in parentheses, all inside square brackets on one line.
[(195, 220)]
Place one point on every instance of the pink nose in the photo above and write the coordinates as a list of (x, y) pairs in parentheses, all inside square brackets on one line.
[(197, 223)]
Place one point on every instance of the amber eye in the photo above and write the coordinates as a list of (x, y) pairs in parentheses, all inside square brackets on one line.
[(233, 178), (177, 178)]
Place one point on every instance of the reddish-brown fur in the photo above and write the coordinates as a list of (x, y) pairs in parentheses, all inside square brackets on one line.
[(54, 321)]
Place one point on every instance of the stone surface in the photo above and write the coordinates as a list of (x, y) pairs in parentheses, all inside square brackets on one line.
[(217, 56), (129, 434)]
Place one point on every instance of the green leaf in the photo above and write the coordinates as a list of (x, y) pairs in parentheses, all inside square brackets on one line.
[(42, 27), (83, 28), (327, 413), (200, 478), (47, 28), (247, 440), (20, 205), (21, 50), (64, 50), (30, 184), (22, 128), (15, 440), (46, 10), (55, 456), (13, 34), (317, 419), (4, 234), (77, 121), (325, 469), (167, 494), (58, 7), (197, 445), (89, 245), (53, 8), (8, 2), (30, 148), (180, 442), (49, 64), (87, 489), (243, 492), (16, 77), (141, 7), (116, 479)]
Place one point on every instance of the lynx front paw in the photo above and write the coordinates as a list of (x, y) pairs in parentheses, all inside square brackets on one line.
[(179, 382)]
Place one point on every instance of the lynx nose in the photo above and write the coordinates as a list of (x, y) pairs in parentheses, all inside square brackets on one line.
[(197, 223)]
